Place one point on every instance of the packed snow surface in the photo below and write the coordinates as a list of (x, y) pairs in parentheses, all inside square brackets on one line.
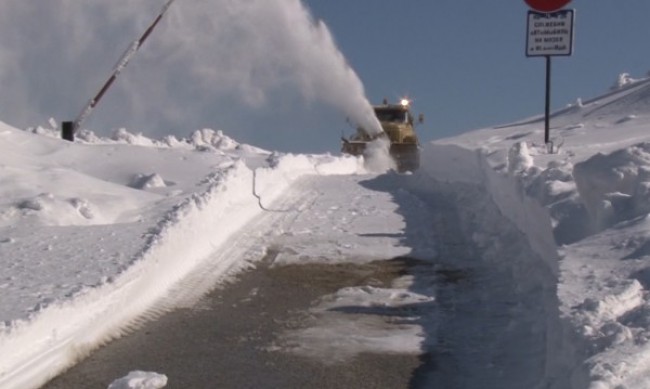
[(547, 246)]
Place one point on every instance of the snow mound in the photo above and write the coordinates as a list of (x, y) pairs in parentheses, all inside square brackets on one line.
[(212, 140), (47, 196), (615, 187), (122, 135), (519, 159), (140, 380), (623, 80), (51, 210), (369, 296), (147, 181), (203, 140)]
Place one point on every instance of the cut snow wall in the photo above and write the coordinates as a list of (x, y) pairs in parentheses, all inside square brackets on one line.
[(534, 268), (450, 163)]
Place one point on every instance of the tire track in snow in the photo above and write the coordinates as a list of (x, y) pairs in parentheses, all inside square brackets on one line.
[(243, 250)]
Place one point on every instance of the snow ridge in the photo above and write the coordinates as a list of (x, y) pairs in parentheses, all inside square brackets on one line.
[(175, 247)]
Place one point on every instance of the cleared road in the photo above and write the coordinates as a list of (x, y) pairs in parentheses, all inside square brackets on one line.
[(235, 337), (327, 308)]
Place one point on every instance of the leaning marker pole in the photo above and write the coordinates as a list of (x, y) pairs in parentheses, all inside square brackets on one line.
[(549, 34), (70, 128)]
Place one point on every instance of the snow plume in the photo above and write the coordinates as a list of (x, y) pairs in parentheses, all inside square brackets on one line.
[(377, 158), (206, 58)]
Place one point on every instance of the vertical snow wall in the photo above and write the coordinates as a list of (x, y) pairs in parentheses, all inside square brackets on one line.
[(528, 255)]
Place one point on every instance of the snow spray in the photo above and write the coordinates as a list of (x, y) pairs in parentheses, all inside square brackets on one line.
[(377, 157), (205, 52), (259, 46)]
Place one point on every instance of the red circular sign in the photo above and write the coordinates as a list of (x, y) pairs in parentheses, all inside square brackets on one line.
[(547, 5)]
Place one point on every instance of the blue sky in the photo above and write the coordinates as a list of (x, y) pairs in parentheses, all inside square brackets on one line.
[(463, 62), (251, 70)]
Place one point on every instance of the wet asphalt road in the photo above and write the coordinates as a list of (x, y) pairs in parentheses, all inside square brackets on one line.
[(230, 338)]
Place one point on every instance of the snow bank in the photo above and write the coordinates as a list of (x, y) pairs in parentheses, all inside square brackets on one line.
[(205, 139), (607, 301), (615, 187), (485, 194), (65, 331), (453, 164), (594, 186)]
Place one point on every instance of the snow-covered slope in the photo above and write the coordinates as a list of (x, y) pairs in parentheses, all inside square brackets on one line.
[(559, 236)]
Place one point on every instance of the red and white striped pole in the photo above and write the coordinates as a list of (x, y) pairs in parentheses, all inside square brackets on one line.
[(69, 128)]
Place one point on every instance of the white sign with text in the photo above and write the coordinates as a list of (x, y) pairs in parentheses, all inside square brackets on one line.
[(550, 34)]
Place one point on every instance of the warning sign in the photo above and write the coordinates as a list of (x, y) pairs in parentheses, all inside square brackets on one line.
[(550, 34), (547, 5)]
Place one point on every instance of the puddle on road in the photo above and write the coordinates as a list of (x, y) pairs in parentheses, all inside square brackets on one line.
[(254, 332)]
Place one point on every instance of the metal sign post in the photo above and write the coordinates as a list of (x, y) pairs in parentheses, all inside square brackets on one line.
[(549, 34)]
